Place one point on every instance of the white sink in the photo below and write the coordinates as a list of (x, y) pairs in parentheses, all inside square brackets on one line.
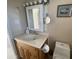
[(31, 37)]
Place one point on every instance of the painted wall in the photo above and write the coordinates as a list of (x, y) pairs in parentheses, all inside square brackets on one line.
[(16, 17), (60, 28), (16, 22)]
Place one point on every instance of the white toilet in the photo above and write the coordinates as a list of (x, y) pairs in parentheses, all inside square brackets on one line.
[(62, 51)]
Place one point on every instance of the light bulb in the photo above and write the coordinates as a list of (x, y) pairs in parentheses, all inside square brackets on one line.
[(40, 1), (35, 2), (45, 0), (31, 3), (27, 4)]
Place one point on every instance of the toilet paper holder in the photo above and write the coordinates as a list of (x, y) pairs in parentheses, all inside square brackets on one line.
[(45, 48)]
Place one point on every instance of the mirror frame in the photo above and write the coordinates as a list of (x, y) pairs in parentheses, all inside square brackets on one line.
[(41, 7)]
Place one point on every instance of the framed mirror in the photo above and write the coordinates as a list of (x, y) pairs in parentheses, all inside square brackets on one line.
[(35, 17)]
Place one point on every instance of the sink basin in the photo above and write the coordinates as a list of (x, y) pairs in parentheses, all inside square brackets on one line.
[(30, 37)]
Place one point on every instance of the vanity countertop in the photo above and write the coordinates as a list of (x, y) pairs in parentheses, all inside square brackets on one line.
[(37, 43)]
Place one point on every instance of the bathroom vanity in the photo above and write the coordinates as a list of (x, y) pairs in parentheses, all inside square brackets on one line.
[(33, 45), (29, 45)]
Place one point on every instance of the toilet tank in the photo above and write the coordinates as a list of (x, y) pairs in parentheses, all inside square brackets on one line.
[(62, 51)]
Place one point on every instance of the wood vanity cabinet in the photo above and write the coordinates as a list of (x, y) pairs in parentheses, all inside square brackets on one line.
[(28, 52)]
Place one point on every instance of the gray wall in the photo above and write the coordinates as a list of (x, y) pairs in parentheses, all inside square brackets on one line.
[(16, 17)]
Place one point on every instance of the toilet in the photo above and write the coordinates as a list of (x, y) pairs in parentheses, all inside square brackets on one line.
[(62, 51)]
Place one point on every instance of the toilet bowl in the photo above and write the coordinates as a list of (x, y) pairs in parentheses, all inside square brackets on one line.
[(62, 51)]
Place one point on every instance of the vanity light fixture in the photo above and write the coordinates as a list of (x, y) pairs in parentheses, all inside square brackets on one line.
[(37, 2), (24, 5), (45, 1), (31, 3), (40, 1), (27, 4)]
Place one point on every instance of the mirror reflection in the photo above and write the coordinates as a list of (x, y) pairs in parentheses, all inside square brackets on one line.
[(35, 17)]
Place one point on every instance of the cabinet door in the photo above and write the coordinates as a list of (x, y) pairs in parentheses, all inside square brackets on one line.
[(42, 55), (30, 52), (20, 50), (33, 53)]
